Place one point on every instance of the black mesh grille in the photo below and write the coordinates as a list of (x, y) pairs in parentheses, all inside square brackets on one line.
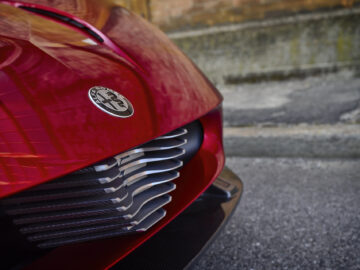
[(121, 195)]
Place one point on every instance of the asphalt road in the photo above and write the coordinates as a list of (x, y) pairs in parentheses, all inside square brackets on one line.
[(294, 214)]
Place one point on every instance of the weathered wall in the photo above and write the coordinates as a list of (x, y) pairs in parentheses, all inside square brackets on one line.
[(293, 46), (173, 15)]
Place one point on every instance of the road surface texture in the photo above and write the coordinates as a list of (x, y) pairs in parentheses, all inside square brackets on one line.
[(326, 99), (294, 214)]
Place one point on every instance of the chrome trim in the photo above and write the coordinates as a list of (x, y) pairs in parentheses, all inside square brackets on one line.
[(176, 133), (154, 157), (154, 146), (151, 221), (148, 171), (144, 198), (119, 159), (145, 184), (162, 201), (56, 206), (121, 194), (146, 211)]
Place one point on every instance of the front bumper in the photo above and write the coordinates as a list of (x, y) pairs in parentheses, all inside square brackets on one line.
[(181, 242)]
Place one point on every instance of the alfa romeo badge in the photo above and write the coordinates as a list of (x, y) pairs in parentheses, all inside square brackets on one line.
[(111, 102)]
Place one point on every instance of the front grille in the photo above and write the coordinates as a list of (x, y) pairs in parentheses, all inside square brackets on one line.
[(121, 195)]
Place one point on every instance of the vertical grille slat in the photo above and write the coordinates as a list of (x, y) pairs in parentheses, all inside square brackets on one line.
[(120, 195)]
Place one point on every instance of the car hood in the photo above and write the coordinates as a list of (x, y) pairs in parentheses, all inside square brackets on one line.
[(49, 127)]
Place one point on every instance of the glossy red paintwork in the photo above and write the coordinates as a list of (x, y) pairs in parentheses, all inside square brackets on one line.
[(49, 127)]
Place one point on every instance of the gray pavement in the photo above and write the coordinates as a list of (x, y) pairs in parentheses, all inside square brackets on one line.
[(325, 99), (294, 214)]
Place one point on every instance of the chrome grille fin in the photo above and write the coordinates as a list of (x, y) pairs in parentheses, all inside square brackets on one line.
[(117, 196)]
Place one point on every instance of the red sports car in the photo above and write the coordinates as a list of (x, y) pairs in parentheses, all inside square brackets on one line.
[(107, 133)]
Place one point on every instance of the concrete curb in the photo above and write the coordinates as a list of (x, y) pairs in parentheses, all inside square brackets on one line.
[(324, 141)]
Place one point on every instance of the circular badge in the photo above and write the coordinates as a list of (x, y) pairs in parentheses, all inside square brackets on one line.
[(111, 102)]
